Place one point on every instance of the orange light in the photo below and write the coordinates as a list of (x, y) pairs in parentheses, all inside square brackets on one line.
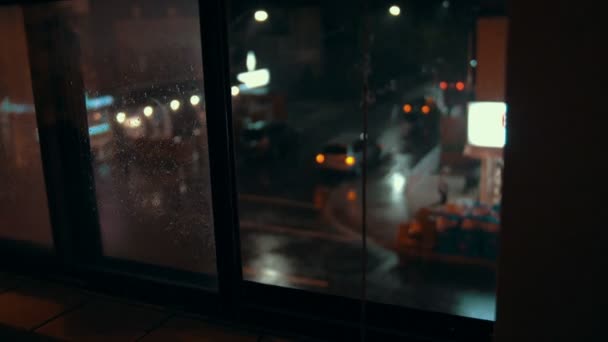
[(460, 86), (425, 109), (320, 158), (351, 195), (407, 108), (443, 85), (350, 160)]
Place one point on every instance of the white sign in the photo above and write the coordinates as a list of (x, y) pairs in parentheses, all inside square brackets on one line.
[(487, 124)]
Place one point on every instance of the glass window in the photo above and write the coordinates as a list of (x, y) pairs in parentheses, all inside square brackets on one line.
[(23, 202), (143, 77), (433, 72)]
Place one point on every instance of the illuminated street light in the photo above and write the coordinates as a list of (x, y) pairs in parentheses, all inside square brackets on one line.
[(174, 105), (394, 10), (260, 16), (234, 90), (195, 100), (148, 111), (121, 117)]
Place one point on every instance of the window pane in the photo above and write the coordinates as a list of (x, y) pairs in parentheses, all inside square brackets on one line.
[(142, 69), (296, 86), (23, 203), (433, 180), (436, 203)]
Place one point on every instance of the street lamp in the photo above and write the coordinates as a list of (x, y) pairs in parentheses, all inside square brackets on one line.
[(260, 16), (394, 10)]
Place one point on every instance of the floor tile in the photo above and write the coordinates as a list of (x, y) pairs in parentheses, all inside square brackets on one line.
[(33, 304), (186, 329), (104, 320), (8, 281)]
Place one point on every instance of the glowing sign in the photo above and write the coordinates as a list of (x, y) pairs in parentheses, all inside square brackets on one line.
[(487, 124), (255, 79), (98, 102), (99, 129)]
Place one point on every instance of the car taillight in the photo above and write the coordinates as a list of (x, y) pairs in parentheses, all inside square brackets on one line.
[(350, 160), (320, 158), (407, 108)]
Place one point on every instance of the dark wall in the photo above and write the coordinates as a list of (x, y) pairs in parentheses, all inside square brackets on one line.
[(552, 270)]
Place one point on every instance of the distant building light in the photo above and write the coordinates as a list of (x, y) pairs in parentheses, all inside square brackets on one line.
[(234, 90), (394, 10), (446, 4), (260, 16)]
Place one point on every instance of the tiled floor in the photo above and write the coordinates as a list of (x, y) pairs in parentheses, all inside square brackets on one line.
[(32, 310)]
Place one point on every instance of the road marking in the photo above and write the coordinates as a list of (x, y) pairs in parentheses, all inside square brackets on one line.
[(294, 231), (276, 200), (296, 280)]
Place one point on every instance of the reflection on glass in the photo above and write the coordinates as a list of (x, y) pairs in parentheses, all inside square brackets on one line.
[(142, 67), (23, 202), (432, 197)]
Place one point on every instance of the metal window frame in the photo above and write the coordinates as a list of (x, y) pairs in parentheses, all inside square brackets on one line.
[(65, 154)]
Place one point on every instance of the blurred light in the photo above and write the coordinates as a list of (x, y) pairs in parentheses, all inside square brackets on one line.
[(407, 108), (134, 122), (351, 195), (486, 124), (425, 109), (254, 79), (260, 16), (195, 99), (320, 158), (251, 61), (460, 86), (148, 111), (97, 116), (98, 102), (121, 117), (443, 85), (174, 104), (397, 182), (446, 4), (350, 160), (99, 129), (473, 63), (6, 106), (234, 90), (394, 10)]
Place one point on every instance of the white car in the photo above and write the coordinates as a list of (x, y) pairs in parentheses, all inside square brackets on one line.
[(345, 154)]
